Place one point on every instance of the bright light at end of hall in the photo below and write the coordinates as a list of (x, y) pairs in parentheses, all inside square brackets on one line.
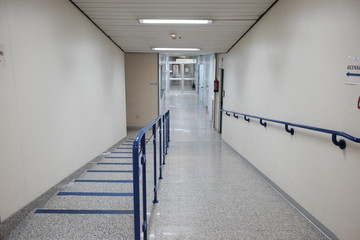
[(176, 49), (174, 21)]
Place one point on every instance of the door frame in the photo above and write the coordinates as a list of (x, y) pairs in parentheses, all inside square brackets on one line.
[(222, 95), (182, 79)]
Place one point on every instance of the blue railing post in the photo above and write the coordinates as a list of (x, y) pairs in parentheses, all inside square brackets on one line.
[(169, 129), (166, 130), (155, 175), (168, 133), (136, 189), (164, 141), (160, 148), (143, 163)]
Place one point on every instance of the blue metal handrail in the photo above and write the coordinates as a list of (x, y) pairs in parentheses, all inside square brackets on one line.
[(340, 143), (162, 123)]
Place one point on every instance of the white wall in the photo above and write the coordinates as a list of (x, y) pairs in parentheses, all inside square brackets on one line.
[(62, 97), (291, 67)]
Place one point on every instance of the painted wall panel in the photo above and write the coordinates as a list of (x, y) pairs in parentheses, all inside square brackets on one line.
[(64, 97), (11, 157), (141, 88), (291, 66)]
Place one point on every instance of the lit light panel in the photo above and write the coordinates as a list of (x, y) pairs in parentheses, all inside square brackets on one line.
[(174, 21), (176, 49)]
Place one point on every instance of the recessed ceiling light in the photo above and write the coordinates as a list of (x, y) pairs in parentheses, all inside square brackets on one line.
[(176, 49), (174, 21)]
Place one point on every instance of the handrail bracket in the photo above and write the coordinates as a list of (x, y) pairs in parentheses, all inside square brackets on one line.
[(289, 130), (341, 143), (263, 123)]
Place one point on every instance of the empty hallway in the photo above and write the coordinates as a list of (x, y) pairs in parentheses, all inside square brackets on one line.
[(208, 192), (279, 86)]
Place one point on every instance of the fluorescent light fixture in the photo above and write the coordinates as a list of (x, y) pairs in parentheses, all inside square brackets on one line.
[(174, 21), (176, 49)]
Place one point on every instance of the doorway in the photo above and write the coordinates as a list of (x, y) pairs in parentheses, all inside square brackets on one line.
[(182, 77)]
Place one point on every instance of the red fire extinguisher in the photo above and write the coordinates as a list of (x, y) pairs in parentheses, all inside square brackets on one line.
[(216, 85)]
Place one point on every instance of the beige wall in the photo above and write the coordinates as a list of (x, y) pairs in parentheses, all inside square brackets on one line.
[(291, 66), (62, 97), (141, 72)]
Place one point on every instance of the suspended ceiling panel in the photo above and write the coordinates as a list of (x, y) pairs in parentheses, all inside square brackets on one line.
[(119, 20)]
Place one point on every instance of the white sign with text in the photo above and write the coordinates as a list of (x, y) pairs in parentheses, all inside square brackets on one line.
[(352, 73)]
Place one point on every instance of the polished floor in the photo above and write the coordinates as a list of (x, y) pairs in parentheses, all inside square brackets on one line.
[(210, 192)]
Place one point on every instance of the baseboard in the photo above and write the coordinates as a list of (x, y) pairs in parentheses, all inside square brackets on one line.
[(301, 209)]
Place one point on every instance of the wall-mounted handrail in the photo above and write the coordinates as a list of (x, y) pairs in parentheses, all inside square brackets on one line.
[(162, 123), (340, 143)]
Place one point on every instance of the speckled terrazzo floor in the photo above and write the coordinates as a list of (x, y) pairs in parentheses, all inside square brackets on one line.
[(209, 192), (50, 226)]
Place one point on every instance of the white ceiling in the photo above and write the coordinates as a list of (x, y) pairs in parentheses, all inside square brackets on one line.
[(119, 20)]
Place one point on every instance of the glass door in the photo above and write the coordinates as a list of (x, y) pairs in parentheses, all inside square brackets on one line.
[(175, 78), (182, 77), (189, 84)]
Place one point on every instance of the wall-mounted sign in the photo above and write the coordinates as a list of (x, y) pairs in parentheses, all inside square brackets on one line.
[(2, 57), (352, 73), (180, 60)]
